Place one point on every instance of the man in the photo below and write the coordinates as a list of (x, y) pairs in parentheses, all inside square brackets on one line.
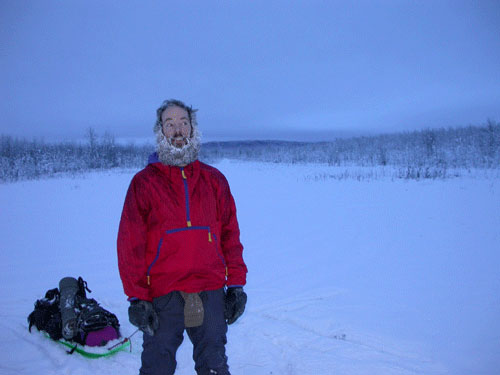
[(179, 253)]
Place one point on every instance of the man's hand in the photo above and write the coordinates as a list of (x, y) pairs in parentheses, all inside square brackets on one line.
[(142, 315), (235, 302)]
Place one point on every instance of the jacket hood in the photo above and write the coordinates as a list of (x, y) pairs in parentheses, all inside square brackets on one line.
[(153, 158)]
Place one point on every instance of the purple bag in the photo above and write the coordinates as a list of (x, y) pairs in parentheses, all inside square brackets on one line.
[(101, 336)]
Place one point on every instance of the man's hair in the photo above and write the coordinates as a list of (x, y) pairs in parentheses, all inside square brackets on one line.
[(174, 103)]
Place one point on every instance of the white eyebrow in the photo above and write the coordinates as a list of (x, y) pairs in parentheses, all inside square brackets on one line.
[(182, 118)]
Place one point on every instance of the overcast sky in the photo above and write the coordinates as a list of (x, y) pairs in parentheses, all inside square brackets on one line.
[(254, 69)]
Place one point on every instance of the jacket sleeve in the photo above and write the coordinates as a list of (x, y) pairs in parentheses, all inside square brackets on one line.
[(230, 237), (131, 243)]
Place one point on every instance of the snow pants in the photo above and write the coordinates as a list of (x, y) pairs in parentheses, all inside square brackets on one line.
[(209, 339)]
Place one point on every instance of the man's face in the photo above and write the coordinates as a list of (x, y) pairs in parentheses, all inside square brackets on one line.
[(176, 126)]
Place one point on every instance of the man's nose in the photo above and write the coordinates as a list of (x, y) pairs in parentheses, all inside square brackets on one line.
[(177, 126)]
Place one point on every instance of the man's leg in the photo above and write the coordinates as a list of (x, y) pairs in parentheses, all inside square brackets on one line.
[(209, 339), (158, 355)]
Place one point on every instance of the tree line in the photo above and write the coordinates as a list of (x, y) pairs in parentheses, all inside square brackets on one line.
[(422, 154)]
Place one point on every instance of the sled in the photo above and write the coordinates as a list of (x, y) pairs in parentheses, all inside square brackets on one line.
[(92, 352)]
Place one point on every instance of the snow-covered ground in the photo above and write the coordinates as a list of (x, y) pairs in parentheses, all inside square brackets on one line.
[(345, 276)]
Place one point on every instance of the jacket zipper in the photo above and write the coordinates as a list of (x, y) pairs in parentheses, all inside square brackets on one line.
[(186, 193), (148, 277)]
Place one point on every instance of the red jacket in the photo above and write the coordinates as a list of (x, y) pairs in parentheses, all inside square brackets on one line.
[(179, 231)]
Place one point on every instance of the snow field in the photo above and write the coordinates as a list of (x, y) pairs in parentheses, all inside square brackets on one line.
[(345, 276)]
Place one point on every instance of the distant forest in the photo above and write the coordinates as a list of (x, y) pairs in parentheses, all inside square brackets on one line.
[(419, 154)]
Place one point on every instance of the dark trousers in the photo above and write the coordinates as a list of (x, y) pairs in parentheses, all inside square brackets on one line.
[(209, 339)]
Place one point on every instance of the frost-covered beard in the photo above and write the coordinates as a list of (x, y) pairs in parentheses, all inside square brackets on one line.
[(170, 155)]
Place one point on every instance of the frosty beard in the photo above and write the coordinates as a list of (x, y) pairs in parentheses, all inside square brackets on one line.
[(168, 154)]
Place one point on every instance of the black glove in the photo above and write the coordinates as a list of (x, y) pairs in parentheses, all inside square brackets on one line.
[(235, 302), (142, 315)]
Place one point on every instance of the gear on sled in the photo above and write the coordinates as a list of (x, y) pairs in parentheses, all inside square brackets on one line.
[(68, 313)]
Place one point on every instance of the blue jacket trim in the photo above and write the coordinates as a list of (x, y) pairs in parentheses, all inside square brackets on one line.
[(186, 228), (156, 257)]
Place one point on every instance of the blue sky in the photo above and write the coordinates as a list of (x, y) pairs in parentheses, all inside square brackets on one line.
[(304, 70)]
